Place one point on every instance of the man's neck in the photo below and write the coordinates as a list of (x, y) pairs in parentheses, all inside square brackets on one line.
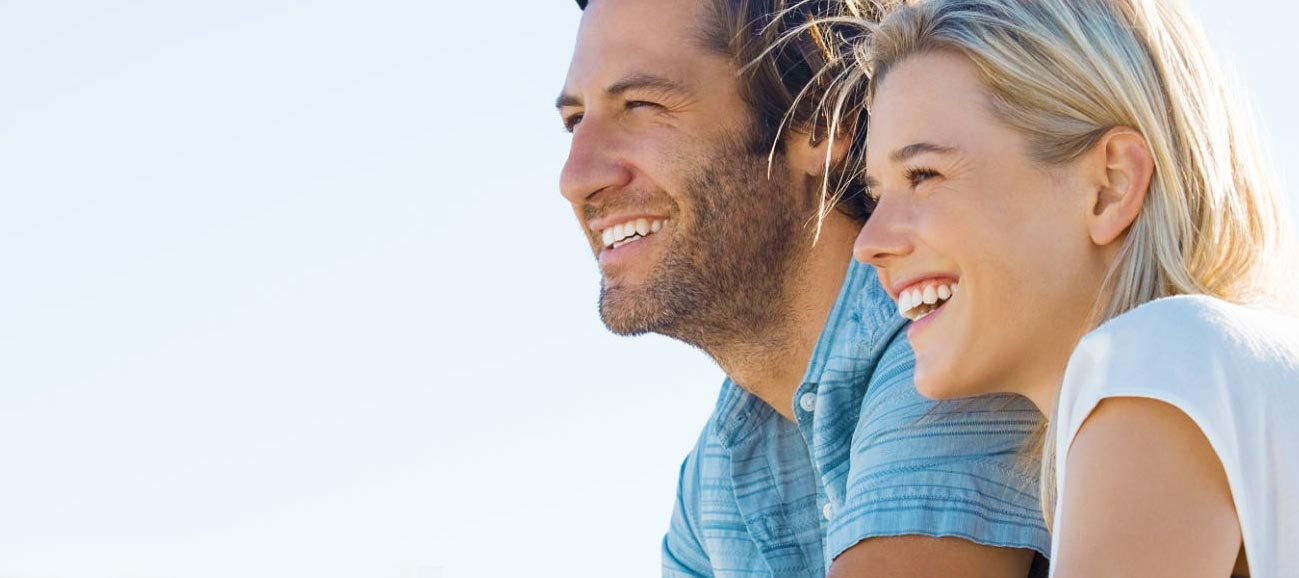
[(772, 365)]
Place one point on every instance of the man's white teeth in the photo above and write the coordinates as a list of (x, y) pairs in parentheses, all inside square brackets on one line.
[(623, 233), (915, 303)]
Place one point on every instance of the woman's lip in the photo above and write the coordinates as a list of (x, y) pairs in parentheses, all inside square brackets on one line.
[(920, 324)]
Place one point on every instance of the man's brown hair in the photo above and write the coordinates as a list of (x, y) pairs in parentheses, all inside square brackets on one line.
[(789, 52)]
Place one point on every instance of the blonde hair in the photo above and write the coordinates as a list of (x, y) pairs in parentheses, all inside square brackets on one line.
[(1065, 72)]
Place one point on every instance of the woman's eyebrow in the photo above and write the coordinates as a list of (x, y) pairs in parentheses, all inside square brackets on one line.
[(912, 150), (907, 152)]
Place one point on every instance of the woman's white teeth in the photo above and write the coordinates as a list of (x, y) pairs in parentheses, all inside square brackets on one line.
[(915, 303), (623, 233)]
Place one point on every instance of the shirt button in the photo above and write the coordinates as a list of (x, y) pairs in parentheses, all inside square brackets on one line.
[(827, 511), (807, 402)]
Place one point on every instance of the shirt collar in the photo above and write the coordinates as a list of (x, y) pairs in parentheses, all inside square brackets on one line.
[(862, 311)]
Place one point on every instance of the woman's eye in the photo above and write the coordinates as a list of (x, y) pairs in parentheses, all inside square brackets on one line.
[(917, 176)]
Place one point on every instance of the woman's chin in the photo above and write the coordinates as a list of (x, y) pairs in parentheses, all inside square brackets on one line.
[(935, 385), (937, 382)]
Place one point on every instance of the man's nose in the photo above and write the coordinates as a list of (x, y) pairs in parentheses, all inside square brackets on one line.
[(595, 162), (886, 236)]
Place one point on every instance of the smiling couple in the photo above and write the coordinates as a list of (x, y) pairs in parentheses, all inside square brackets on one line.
[(1050, 212)]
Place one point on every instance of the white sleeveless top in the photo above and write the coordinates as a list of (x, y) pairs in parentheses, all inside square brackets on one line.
[(1234, 370)]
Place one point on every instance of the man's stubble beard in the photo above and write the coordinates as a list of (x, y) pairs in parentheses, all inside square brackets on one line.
[(724, 274)]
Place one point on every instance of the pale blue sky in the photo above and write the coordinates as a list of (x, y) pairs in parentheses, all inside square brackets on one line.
[(288, 290)]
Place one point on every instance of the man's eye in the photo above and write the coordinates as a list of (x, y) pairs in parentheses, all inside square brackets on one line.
[(917, 176), (640, 104), (570, 122)]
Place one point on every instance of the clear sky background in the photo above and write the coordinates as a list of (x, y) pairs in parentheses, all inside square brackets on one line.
[(287, 289)]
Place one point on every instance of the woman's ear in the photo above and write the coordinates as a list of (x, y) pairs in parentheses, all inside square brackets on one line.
[(813, 152), (1121, 166)]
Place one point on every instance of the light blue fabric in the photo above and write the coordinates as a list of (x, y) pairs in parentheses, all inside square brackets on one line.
[(871, 453)]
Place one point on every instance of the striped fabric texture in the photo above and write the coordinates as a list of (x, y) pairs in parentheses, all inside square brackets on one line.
[(868, 456)]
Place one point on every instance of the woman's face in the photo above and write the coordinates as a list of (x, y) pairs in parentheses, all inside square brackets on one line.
[(992, 243)]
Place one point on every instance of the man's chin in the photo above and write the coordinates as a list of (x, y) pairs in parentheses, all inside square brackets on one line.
[(627, 321), (622, 329), (627, 312)]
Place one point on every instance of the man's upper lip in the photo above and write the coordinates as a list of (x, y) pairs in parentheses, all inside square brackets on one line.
[(603, 223), (897, 288)]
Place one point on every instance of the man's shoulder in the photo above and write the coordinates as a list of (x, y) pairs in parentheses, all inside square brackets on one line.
[(906, 464), (862, 335), (868, 310)]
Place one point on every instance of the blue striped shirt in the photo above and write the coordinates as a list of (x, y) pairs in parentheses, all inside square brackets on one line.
[(762, 496)]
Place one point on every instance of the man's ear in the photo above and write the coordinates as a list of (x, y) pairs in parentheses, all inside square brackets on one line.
[(1120, 167), (812, 154)]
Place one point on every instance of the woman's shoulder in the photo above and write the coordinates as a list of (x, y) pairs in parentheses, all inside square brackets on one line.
[(1193, 352), (1196, 327), (1191, 311), (1180, 374)]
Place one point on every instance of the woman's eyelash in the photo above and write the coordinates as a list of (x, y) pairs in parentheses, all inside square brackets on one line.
[(917, 175)]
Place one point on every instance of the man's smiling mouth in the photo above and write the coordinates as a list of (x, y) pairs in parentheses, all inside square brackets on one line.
[(630, 231)]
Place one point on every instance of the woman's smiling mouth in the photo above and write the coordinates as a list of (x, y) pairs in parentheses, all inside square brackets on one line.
[(925, 297)]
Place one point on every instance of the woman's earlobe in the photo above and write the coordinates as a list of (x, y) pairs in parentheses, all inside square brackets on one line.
[(1121, 194)]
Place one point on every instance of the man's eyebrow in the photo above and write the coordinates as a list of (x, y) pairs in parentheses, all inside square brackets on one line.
[(912, 150), (638, 81), (641, 81), (566, 99)]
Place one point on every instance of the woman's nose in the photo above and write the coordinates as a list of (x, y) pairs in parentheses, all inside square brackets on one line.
[(886, 235)]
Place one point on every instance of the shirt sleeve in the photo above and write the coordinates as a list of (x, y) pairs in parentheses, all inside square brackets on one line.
[(943, 469), (683, 554)]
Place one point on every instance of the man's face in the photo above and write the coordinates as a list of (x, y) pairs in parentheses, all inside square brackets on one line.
[(694, 240)]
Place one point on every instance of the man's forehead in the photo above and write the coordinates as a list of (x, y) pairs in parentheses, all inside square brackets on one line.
[(624, 37), (663, 27)]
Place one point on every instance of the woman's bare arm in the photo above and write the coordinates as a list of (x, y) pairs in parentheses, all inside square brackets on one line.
[(1146, 496)]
